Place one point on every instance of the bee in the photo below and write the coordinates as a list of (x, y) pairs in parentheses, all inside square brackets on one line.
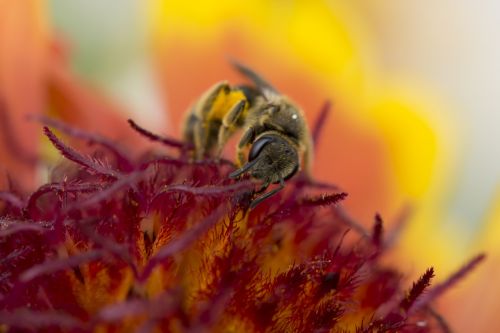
[(275, 132)]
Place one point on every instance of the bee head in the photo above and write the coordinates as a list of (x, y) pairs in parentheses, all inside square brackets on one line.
[(270, 159)]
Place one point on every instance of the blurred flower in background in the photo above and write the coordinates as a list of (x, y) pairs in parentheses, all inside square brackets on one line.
[(393, 139), (35, 79)]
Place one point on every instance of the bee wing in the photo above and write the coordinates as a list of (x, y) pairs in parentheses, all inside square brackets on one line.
[(265, 87)]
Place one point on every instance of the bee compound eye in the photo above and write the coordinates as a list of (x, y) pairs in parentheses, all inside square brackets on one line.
[(258, 145)]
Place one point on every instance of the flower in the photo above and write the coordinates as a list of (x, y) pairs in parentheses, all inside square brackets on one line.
[(119, 243), (323, 46)]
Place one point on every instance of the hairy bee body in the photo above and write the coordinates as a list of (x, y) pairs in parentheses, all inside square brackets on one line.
[(273, 127)]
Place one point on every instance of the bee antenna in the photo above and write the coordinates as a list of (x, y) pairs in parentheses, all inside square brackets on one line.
[(258, 80), (243, 169)]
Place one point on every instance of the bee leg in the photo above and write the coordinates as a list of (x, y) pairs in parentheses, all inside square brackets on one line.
[(199, 133), (192, 133), (229, 124), (207, 100), (263, 187), (267, 195), (199, 129), (245, 140), (308, 158), (188, 128)]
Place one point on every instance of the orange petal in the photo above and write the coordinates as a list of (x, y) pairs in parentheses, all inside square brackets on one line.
[(23, 44)]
